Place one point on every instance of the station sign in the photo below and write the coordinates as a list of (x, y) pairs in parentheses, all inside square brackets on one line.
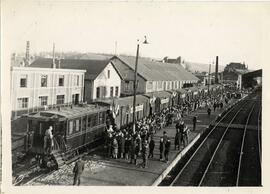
[(137, 108), (165, 100)]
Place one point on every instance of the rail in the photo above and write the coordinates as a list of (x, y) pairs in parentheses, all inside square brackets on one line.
[(218, 145), (242, 146), (179, 174), (259, 141)]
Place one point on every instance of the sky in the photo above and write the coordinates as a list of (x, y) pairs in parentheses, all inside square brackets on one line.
[(236, 32)]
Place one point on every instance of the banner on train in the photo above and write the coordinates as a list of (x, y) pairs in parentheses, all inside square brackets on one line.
[(165, 100), (138, 108)]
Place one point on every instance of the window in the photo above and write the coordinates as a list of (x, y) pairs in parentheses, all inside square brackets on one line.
[(44, 79), (93, 120), (168, 85), (116, 90), (111, 92), (98, 92), (61, 80), (78, 125), (77, 80), (22, 102), (43, 100), (150, 85), (60, 99), (109, 74), (70, 131), (23, 81), (101, 118), (84, 123), (159, 84), (126, 86)]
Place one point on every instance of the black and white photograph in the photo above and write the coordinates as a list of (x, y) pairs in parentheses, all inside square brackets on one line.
[(167, 94)]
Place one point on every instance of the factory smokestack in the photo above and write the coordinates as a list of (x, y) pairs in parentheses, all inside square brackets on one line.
[(53, 62), (27, 57), (216, 74)]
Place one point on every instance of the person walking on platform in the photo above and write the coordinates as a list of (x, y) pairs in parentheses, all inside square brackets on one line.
[(137, 148), (115, 148), (132, 150), (77, 170), (151, 147), (194, 122), (161, 148), (209, 111), (167, 150), (144, 153)]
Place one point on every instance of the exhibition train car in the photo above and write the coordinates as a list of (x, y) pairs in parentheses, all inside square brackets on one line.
[(74, 128)]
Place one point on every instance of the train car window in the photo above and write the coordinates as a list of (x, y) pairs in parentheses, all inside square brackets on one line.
[(89, 121), (84, 123), (77, 125), (70, 129), (101, 117), (94, 120)]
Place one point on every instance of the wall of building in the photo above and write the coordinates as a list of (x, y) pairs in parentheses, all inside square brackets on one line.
[(127, 86), (73, 84), (104, 80)]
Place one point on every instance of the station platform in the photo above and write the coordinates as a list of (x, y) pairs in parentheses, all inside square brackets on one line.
[(103, 171), (120, 172)]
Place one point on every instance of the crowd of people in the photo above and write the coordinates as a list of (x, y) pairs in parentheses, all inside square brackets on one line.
[(136, 141)]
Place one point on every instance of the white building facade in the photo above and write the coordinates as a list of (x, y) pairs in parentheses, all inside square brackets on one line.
[(107, 84), (36, 88)]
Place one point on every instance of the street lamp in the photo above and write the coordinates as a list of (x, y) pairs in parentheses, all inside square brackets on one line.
[(135, 81)]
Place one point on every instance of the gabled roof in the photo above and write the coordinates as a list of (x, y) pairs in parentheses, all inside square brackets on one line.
[(93, 67), (152, 70)]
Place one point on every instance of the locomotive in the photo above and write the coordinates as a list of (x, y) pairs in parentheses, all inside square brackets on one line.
[(74, 129)]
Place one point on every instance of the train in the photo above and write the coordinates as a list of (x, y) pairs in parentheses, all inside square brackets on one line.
[(74, 128), (80, 127)]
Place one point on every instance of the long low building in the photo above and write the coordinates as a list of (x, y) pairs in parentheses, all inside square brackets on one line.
[(33, 89), (153, 76)]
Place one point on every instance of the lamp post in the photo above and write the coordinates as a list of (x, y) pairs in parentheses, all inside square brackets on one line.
[(135, 84)]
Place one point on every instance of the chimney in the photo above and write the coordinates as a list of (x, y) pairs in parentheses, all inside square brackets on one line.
[(216, 75), (53, 62), (27, 58)]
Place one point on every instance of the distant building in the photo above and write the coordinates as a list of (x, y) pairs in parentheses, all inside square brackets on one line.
[(153, 76), (33, 89), (101, 79), (232, 72)]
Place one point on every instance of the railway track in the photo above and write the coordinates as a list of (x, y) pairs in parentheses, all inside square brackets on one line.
[(216, 160)]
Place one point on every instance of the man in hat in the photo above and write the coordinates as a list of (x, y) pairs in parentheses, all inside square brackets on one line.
[(77, 170)]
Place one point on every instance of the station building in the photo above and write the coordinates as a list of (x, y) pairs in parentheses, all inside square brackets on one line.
[(34, 89), (153, 76), (101, 80)]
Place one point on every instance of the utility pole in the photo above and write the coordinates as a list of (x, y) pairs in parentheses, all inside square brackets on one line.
[(135, 87), (135, 83), (209, 79)]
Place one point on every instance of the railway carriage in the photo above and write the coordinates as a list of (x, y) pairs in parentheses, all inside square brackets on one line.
[(74, 128)]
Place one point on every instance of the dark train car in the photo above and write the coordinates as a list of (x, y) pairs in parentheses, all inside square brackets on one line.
[(159, 100), (182, 96), (123, 109), (73, 128)]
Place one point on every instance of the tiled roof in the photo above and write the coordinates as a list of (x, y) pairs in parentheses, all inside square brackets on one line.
[(152, 70), (93, 67)]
